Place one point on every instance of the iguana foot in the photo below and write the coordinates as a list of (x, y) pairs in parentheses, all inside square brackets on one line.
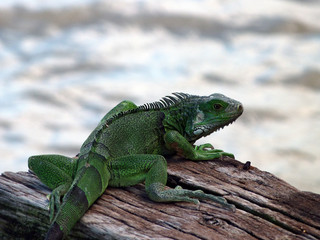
[(54, 205), (157, 193), (199, 194), (55, 199), (206, 152)]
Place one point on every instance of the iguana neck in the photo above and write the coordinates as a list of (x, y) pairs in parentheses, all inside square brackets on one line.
[(178, 119)]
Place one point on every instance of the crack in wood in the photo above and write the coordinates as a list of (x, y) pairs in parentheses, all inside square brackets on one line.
[(270, 218), (244, 229)]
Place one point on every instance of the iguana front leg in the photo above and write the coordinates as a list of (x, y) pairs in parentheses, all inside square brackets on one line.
[(175, 141)]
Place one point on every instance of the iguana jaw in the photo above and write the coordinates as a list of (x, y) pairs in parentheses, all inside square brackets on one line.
[(204, 130)]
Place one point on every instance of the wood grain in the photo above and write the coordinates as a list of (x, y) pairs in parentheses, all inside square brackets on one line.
[(267, 207)]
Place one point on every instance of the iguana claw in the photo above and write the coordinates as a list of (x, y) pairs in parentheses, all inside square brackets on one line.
[(199, 194), (204, 147)]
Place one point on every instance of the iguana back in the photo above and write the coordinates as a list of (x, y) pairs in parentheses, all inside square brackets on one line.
[(130, 133)]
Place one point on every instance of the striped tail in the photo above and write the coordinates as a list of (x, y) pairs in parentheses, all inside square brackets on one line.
[(87, 186)]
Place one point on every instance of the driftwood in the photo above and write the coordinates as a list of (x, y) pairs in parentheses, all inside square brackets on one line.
[(267, 207)]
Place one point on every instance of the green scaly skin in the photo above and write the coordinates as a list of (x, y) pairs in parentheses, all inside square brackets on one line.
[(128, 147)]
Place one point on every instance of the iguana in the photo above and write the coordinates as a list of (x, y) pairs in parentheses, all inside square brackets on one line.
[(128, 147)]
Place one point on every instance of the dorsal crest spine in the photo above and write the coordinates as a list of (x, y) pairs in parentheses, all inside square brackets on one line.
[(164, 103)]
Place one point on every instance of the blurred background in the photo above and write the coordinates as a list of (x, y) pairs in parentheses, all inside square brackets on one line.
[(64, 64)]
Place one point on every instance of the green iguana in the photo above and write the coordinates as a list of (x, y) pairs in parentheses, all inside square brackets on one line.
[(128, 147)]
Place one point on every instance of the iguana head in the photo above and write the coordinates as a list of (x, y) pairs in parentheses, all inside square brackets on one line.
[(210, 114)]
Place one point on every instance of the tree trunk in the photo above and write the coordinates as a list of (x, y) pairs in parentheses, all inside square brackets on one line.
[(267, 207)]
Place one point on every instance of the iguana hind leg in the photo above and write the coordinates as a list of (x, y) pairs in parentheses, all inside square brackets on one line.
[(55, 171), (160, 193), (152, 169)]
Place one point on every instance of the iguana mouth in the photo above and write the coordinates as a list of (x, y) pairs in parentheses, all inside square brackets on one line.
[(204, 130), (224, 125)]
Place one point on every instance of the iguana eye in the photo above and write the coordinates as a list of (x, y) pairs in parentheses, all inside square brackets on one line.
[(217, 106)]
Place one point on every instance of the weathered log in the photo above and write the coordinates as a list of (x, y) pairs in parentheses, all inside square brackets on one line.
[(267, 207)]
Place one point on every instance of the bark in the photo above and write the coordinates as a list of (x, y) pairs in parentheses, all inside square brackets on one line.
[(267, 207)]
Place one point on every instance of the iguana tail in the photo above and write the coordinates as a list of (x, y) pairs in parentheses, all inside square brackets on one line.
[(89, 183)]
